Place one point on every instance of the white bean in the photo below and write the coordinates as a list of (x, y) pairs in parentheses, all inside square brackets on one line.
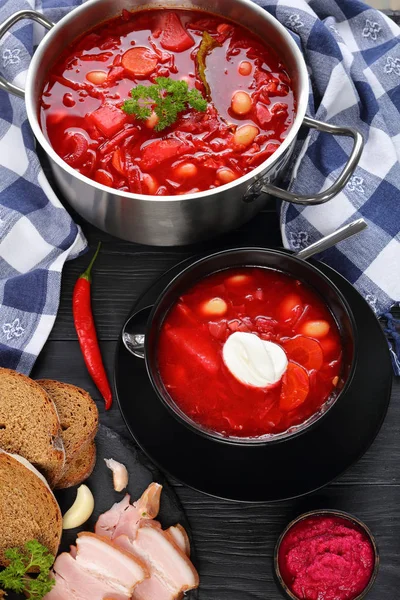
[(151, 183), (96, 77), (244, 135), (186, 170), (245, 68), (226, 175), (215, 306), (241, 103), (152, 121)]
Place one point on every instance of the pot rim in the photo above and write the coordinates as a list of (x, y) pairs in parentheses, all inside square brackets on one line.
[(262, 440), (330, 512), (256, 173)]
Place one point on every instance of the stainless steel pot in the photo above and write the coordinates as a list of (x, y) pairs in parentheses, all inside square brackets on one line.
[(175, 220)]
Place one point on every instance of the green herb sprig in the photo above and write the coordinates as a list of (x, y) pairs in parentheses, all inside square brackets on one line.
[(167, 98), (15, 577)]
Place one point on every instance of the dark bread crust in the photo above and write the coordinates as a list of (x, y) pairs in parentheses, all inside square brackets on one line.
[(80, 468), (28, 508), (79, 419), (38, 440)]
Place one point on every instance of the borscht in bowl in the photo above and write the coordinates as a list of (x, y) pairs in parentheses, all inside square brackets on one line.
[(251, 352), (167, 102)]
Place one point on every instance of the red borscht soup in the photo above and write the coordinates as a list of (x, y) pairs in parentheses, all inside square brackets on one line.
[(248, 352), (167, 102)]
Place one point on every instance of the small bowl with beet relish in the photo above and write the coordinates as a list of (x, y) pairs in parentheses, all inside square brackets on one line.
[(250, 346), (326, 555)]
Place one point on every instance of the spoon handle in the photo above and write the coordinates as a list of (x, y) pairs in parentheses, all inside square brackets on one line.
[(333, 238)]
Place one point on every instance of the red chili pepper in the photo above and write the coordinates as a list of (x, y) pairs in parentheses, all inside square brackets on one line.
[(86, 330)]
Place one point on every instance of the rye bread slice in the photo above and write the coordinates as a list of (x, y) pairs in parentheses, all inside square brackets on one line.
[(28, 508), (80, 468), (29, 424), (78, 414)]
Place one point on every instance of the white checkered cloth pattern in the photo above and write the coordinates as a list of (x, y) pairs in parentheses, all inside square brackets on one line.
[(353, 55)]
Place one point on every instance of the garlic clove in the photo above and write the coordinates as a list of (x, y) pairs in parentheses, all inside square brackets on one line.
[(81, 510), (120, 474)]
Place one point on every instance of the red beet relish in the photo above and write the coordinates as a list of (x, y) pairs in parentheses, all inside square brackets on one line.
[(275, 307), (81, 116), (326, 557)]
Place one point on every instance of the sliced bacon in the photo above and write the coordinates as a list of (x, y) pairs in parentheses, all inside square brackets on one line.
[(124, 518), (107, 522), (128, 523), (153, 588), (75, 583), (103, 559), (163, 558), (133, 558), (180, 537)]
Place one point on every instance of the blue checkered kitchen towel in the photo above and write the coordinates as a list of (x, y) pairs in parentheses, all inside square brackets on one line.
[(36, 233), (353, 55)]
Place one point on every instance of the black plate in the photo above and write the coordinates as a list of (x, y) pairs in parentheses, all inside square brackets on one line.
[(271, 472)]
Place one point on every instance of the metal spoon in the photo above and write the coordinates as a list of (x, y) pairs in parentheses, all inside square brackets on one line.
[(134, 330), (133, 333), (332, 239)]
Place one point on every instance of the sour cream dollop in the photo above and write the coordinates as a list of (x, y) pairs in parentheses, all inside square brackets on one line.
[(254, 361)]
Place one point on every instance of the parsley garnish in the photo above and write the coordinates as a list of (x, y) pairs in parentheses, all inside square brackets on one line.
[(15, 577), (167, 98)]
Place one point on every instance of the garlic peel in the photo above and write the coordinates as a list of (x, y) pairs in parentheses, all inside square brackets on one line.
[(81, 510)]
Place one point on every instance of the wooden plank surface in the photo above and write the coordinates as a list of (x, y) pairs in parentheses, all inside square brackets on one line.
[(234, 542)]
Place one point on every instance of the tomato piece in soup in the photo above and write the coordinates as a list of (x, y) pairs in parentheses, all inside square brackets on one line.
[(174, 36), (161, 150), (196, 346), (108, 118)]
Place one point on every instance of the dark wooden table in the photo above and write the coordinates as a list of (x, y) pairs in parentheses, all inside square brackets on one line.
[(234, 542)]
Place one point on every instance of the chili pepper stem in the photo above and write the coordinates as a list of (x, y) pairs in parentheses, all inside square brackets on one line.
[(88, 273)]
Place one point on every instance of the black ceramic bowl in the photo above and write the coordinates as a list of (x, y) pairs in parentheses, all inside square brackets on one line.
[(328, 513), (278, 260)]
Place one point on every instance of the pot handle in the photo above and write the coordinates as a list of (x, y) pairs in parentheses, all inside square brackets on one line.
[(4, 27), (260, 187)]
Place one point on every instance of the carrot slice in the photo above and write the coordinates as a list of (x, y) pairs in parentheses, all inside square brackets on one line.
[(308, 353), (139, 61), (101, 176), (295, 387), (116, 162)]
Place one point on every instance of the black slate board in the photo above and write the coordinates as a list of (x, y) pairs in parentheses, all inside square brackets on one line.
[(141, 473)]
